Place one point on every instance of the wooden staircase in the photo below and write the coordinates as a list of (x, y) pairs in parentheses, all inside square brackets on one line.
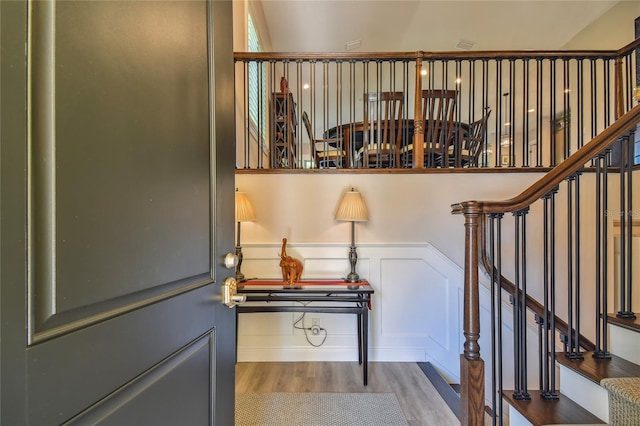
[(550, 365), (583, 400)]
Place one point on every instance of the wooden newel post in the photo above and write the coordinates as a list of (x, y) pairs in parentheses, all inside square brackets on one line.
[(418, 126), (471, 365)]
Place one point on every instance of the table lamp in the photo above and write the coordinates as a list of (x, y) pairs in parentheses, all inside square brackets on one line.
[(244, 213), (353, 209)]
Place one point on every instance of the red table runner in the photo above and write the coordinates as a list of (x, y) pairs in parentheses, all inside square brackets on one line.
[(302, 283)]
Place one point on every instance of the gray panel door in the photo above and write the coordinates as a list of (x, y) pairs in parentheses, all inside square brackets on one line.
[(116, 211)]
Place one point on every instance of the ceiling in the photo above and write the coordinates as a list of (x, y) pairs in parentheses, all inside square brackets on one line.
[(428, 25)]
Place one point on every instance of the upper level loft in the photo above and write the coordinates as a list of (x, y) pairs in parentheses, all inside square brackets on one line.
[(494, 109)]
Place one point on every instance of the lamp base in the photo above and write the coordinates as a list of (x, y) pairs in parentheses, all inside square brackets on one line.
[(352, 278)]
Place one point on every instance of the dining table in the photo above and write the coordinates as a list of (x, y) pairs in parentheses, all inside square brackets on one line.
[(352, 135)]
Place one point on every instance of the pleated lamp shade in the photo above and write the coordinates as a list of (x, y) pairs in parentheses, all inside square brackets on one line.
[(352, 207), (244, 209)]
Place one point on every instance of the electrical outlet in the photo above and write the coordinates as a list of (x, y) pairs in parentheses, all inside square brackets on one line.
[(315, 321)]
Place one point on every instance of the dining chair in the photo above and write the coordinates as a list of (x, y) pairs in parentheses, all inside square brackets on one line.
[(438, 107), (469, 143), (383, 126), (325, 153)]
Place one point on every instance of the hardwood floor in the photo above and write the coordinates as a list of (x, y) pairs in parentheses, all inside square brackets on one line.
[(418, 398)]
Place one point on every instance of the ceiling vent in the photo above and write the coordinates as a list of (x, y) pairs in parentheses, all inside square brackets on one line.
[(465, 45), (352, 45)]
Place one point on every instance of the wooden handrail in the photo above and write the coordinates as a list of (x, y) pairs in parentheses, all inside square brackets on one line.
[(635, 44), (559, 173), (487, 54)]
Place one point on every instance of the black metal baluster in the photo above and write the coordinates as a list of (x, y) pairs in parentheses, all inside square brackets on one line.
[(552, 108), (605, 251), (512, 115), (539, 94), (353, 160), (548, 389), (572, 270), (580, 113), (495, 294), (626, 224), (378, 125), (519, 325), (245, 142), (541, 355), (485, 96), (500, 116), (298, 118), (544, 347), (601, 260), (630, 215), (552, 294), (566, 105), (525, 114), (576, 266), (523, 305), (312, 103), (623, 235), (339, 89), (499, 316), (569, 352)]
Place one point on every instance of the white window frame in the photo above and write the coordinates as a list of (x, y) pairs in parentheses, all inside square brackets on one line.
[(254, 45)]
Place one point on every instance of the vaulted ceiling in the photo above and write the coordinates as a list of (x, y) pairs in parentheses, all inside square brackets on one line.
[(429, 25)]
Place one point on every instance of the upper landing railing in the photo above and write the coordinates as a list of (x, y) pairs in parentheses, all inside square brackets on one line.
[(544, 105)]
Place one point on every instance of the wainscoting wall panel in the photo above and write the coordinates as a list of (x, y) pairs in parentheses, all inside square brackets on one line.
[(415, 312)]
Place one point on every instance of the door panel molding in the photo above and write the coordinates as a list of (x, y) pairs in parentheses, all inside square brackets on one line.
[(163, 380), (58, 324), (97, 190)]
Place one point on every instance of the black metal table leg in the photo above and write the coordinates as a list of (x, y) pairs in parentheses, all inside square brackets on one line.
[(365, 345)]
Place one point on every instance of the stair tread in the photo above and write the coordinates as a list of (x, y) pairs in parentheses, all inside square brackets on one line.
[(541, 412), (597, 369), (628, 323)]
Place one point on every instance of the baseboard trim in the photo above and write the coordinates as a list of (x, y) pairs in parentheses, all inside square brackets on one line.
[(447, 393)]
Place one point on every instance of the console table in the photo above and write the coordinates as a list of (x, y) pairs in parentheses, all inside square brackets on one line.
[(333, 297)]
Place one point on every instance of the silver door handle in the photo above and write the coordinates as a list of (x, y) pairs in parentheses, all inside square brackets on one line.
[(230, 261), (229, 295)]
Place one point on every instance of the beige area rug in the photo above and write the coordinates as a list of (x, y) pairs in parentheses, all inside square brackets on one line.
[(318, 409)]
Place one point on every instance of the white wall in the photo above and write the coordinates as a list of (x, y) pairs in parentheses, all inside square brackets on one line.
[(410, 250), (613, 30), (403, 208)]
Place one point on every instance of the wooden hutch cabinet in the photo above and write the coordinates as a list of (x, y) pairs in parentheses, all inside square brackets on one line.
[(283, 130)]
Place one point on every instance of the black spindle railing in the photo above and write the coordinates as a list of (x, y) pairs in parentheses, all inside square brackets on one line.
[(514, 264), (550, 109)]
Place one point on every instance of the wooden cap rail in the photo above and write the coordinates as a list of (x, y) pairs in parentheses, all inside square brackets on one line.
[(558, 173)]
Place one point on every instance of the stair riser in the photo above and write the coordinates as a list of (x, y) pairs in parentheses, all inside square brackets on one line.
[(588, 394), (624, 343), (516, 419)]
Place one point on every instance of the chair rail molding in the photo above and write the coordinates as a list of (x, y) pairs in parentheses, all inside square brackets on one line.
[(416, 309)]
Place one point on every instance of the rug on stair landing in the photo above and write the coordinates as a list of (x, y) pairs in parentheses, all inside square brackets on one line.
[(624, 400), (318, 409)]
